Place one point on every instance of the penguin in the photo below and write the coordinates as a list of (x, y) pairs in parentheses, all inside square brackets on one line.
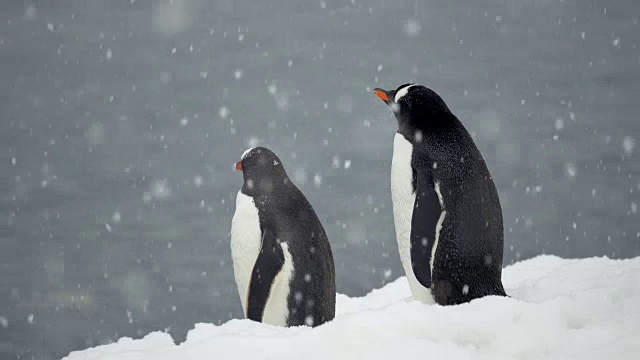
[(282, 260), (446, 209)]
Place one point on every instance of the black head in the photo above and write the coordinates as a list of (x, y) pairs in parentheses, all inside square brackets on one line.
[(415, 106), (262, 171)]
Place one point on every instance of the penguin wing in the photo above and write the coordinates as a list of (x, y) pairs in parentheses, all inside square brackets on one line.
[(267, 266), (426, 212)]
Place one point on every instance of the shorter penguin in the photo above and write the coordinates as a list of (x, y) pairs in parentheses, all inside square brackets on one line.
[(282, 260), (446, 209)]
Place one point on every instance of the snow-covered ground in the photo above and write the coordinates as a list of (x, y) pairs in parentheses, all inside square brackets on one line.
[(560, 309)]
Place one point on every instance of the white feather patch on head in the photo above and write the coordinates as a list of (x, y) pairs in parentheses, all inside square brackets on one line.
[(245, 153), (402, 92)]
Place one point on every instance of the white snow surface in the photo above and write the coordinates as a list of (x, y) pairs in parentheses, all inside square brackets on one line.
[(559, 309)]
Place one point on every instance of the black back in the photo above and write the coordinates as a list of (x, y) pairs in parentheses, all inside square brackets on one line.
[(287, 216), (468, 261)]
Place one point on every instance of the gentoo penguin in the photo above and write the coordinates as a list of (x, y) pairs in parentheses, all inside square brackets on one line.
[(282, 260), (446, 209)]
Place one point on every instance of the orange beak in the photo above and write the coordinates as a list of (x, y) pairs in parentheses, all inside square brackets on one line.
[(381, 94), (239, 166), (384, 95)]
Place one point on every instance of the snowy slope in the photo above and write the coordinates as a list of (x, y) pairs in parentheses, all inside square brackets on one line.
[(561, 309)]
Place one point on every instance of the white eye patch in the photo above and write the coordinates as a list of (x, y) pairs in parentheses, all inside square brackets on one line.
[(402, 92)]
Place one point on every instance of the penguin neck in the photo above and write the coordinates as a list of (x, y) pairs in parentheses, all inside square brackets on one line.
[(414, 125), (421, 130), (413, 134), (265, 185)]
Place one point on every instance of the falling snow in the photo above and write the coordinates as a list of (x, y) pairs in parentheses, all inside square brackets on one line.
[(252, 142), (160, 190), (96, 134), (628, 144), (335, 161), (300, 176), (559, 123), (571, 170), (308, 320), (223, 112), (282, 101), (412, 27), (173, 16), (30, 12), (165, 77)]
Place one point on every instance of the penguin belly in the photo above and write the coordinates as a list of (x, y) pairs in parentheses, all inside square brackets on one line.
[(245, 244), (403, 198)]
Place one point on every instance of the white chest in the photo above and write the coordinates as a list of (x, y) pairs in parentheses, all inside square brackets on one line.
[(245, 243), (403, 199)]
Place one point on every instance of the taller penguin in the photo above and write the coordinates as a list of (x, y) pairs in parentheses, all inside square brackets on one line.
[(282, 261), (446, 208)]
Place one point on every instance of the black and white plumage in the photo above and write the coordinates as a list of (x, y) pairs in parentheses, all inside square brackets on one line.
[(447, 213), (282, 260)]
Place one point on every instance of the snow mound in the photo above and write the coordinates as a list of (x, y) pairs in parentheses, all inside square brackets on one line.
[(559, 309)]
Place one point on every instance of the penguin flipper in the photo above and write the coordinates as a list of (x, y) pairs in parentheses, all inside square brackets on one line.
[(426, 212), (268, 264)]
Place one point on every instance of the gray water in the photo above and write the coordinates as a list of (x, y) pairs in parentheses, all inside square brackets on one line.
[(121, 122)]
